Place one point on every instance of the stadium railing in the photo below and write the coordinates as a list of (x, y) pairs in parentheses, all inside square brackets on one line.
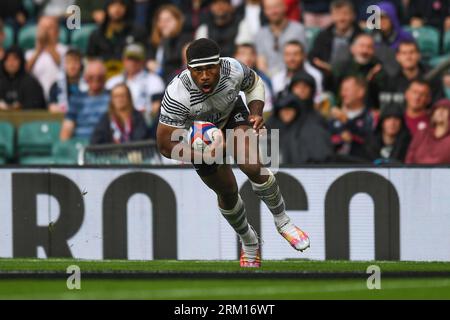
[(142, 152)]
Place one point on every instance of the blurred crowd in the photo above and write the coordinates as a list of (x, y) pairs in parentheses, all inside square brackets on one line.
[(338, 90)]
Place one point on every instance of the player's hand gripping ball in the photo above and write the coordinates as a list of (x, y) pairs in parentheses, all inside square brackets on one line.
[(203, 135)]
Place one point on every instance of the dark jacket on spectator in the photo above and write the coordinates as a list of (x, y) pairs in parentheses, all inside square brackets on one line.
[(224, 35), (398, 84), (352, 68), (433, 12), (193, 18), (111, 48), (305, 139), (103, 132), (21, 87), (360, 129), (323, 48), (323, 45), (386, 47), (377, 150), (316, 6), (172, 58)]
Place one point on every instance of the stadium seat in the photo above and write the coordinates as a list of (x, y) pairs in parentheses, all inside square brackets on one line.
[(9, 36), (439, 59), (428, 40), (37, 138), (6, 140), (27, 36), (80, 38), (447, 42), (311, 35), (67, 152), (33, 160), (29, 7)]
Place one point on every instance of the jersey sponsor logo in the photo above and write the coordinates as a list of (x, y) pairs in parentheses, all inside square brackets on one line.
[(238, 117), (231, 95)]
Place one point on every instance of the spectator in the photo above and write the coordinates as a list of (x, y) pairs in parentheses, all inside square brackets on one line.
[(417, 98), (144, 11), (56, 8), (167, 42), (432, 145), (122, 123), (295, 61), (293, 9), (18, 89), (222, 26), (252, 17), (45, 60), (147, 88), (246, 53), (303, 135), (86, 108), (2, 40), (195, 13), (70, 82), (362, 15), (332, 45), (408, 57), (301, 85), (13, 13), (363, 63), (317, 13), (92, 11), (389, 36), (390, 141), (446, 82), (109, 40), (275, 36), (435, 13), (353, 122)]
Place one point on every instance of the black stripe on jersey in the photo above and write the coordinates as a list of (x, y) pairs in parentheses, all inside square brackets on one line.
[(225, 68), (186, 81), (173, 102), (173, 109), (249, 78)]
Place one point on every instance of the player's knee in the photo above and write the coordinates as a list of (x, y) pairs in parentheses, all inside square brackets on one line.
[(228, 198), (251, 171)]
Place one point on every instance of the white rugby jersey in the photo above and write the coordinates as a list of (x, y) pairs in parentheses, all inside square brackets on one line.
[(183, 102)]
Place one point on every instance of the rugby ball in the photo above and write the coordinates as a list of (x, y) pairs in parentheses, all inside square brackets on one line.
[(202, 134)]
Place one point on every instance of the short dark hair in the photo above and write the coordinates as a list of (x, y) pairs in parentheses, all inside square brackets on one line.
[(421, 82), (338, 4), (202, 48), (245, 45), (408, 42), (295, 43), (74, 52), (360, 81), (362, 35)]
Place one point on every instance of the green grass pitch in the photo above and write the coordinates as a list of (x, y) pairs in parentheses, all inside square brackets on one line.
[(218, 289)]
